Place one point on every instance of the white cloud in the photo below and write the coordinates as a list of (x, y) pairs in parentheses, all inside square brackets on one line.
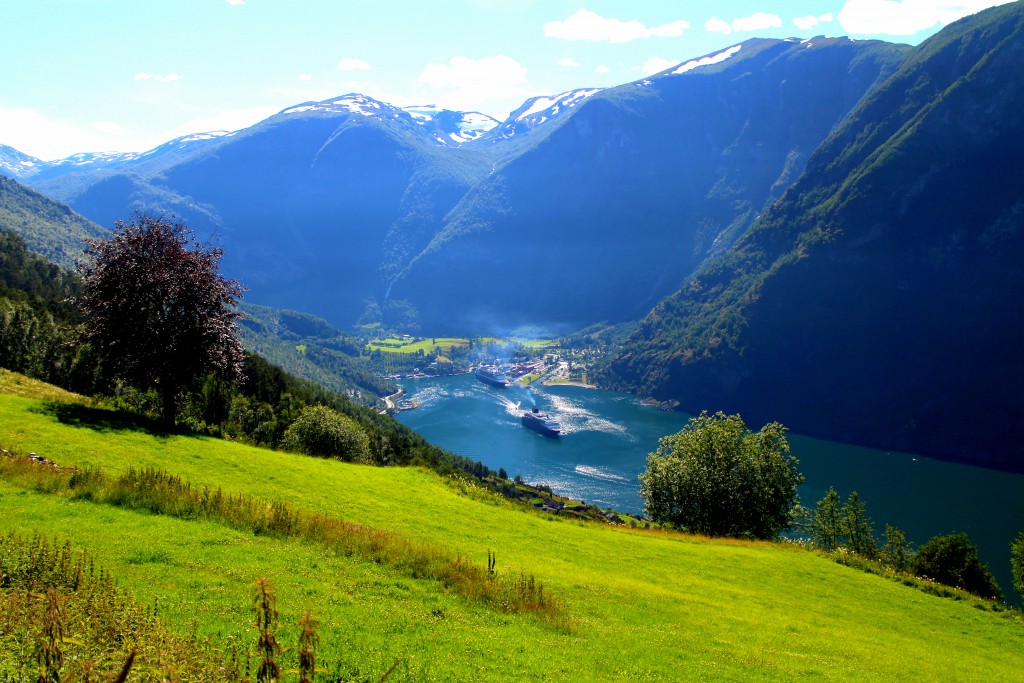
[(352, 64), (305, 77), (656, 64), (602, 69), (587, 25), (47, 138), (755, 22), (716, 25), (227, 119), (571, 63), (472, 82), (166, 78), (810, 21), (235, 3), (906, 17)]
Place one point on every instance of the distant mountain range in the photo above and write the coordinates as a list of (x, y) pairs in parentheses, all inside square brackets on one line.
[(585, 206), (826, 232)]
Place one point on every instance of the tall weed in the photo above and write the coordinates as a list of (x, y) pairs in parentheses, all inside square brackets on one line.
[(159, 492)]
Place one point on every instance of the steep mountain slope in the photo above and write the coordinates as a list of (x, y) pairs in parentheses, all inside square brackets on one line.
[(874, 303), (49, 228), (311, 348), (630, 189)]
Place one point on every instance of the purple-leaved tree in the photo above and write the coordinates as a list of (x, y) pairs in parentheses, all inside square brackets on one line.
[(158, 310)]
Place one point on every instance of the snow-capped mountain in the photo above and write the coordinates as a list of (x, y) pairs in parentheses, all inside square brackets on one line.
[(454, 127), (443, 126), (24, 167), (540, 110), (17, 165), (352, 103)]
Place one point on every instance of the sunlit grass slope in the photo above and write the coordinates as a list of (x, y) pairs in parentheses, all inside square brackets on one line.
[(639, 605)]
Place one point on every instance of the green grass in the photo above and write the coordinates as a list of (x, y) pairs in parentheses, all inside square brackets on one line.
[(445, 344), (395, 345), (641, 605), (533, 343)]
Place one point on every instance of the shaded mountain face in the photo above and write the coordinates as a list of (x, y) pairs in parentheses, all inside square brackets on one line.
[(581, 207), (636, 186), (312, 205), (875, 302)]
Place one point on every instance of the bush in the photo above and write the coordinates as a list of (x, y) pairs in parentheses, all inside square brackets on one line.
[(953, 560), (716, 477), (324, 432)]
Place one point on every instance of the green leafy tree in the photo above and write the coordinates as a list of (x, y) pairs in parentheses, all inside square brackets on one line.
[(719, 478), (826, 520), (953, 560), (857, 529), (327, 433), (1017, 562), (895, 550), (158, 310)]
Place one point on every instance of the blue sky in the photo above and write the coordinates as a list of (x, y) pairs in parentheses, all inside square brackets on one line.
[(127, 75)]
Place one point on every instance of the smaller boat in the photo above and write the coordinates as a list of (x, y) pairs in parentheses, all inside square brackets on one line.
[(542, 423), (488, 374)]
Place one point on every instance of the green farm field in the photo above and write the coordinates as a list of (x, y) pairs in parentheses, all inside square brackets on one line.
[(631, 604), (445, 344)]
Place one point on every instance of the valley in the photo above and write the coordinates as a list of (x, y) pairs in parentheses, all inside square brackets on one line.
[(462, 393)]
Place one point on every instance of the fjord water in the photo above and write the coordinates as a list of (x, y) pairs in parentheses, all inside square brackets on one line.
[(607, 436)]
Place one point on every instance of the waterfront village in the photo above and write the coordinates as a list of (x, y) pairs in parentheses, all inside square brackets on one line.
[(522, 361)]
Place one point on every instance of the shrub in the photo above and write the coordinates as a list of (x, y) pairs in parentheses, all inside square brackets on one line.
[(953, 560), (324, 432)]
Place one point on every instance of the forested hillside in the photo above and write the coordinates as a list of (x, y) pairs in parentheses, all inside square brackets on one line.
[(48, 227), (874, 303)]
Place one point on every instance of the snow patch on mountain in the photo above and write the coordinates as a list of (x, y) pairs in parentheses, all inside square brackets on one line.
[(18, 165), (452, 127), (707, 61), (352, 103), (552, 106), (537, 111)]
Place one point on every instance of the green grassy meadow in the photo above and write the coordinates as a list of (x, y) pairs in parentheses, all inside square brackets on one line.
[(635, 605), (395, 345), (446, 344)]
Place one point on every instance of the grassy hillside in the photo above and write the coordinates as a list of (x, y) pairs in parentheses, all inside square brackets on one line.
[(633, 605)]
